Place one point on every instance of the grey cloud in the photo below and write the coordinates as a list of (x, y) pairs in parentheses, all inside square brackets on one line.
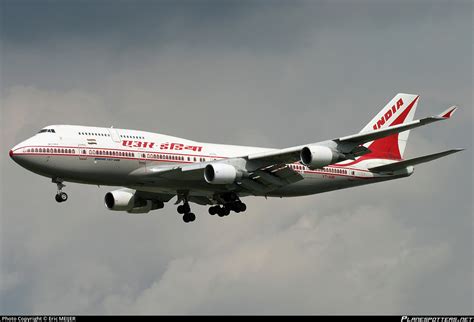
[(261, 74)]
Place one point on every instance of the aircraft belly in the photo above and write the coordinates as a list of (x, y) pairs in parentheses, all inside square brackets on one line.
[(318, 183), (114, 171), (105, 171)]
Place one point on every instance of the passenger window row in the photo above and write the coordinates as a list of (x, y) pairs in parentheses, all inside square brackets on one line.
[(297, 167), (326, 169), (132, 137), (50, 150), (336, 170), (103, 134), (111, 153), (176, 157), (119, 154), (93, 134)]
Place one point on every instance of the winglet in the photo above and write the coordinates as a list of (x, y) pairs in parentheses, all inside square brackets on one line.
[(448, 113)]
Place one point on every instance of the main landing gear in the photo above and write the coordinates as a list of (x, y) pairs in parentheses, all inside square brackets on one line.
[(225, 210), (231, 202), (184, 209), (60, 195), (227, 202)]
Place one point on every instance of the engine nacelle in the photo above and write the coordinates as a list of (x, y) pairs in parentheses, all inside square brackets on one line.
[(119, 200), (146, 206), (122, 200), (220, 173), (316, 156)]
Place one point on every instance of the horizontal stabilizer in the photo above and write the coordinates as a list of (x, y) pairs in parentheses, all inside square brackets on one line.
[(403, 164)]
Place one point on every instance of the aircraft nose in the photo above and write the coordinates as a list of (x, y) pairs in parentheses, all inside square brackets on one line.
[(15, 152)]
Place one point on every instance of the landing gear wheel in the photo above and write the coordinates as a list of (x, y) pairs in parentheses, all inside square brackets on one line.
[(234, 206), (61, 197), (220, 212), (186, 208), (242, 207), (189, 217), (213, 210), (226, 211)]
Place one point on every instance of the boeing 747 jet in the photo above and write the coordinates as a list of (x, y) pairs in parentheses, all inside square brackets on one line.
[(153, 168)]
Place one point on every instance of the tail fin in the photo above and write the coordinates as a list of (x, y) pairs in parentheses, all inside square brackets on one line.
[(401, 109)]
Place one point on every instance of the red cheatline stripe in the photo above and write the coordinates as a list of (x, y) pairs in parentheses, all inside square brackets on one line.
[(185, 162), (134, 151), (137, 151)]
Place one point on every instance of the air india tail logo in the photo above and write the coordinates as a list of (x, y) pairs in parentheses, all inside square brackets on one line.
[(391, 112)]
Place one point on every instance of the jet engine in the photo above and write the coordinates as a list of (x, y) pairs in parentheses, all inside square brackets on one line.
[(124, 200), (316, 156), (220, 173)]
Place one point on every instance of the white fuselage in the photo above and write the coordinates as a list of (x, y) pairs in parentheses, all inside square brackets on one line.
[(108, 156)]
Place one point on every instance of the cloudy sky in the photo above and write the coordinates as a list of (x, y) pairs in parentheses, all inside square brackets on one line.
[(262, 73)]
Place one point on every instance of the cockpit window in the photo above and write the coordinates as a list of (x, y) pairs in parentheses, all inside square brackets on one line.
[(47, 130)]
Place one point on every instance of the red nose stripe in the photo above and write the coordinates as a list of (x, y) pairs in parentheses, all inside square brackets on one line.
[(11, 154)]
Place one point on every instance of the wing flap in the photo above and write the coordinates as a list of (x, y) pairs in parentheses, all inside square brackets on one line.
[(153, 174), (154, 195), (270, 178)]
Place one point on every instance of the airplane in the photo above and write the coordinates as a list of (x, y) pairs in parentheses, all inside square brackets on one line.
[(153, 168)]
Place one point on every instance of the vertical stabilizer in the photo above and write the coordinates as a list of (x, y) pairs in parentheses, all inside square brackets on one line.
[(401, 109)]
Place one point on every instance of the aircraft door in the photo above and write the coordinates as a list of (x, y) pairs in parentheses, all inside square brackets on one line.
[(82, 152), (114, 135)]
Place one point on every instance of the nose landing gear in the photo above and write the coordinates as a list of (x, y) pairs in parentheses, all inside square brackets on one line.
[(60, 195)]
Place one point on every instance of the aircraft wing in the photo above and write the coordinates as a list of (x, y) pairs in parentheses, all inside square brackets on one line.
[(288, 155), (258, 181), (410, 162), (365, 137), (154, 195), (174, 172), (350, 145), (268, 170), (268, 178)]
